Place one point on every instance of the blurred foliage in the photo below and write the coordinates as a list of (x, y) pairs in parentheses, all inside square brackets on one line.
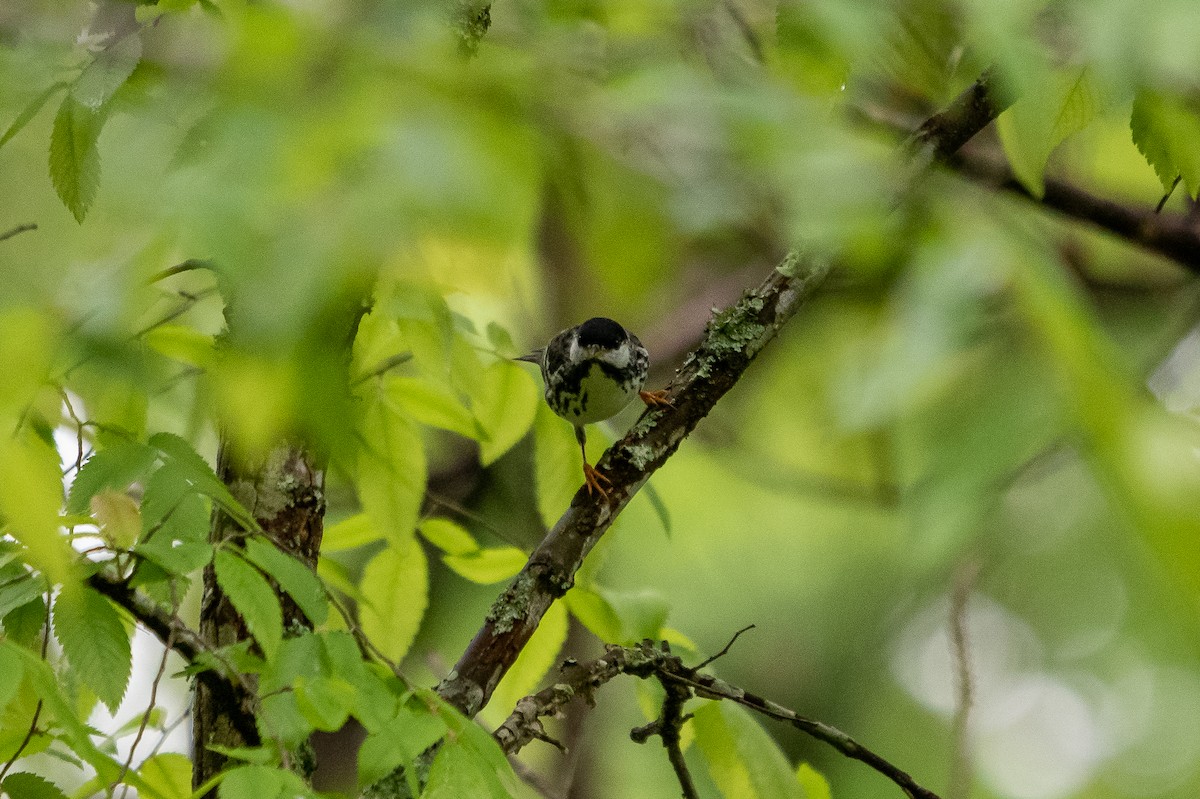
[(336, 220)]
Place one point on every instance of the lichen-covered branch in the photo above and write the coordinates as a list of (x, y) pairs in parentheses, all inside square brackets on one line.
[(732, 339), (647, 660)]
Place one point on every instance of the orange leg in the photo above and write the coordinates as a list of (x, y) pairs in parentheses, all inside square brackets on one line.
[(591, 477), (656, 399)]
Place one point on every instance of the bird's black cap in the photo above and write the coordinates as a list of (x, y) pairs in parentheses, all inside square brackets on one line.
[(600, 331)]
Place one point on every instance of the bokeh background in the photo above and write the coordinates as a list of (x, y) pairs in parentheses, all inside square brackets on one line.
[(982, 429)]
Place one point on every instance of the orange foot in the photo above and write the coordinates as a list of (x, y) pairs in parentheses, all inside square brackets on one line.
[(593, 479), (656, 399)]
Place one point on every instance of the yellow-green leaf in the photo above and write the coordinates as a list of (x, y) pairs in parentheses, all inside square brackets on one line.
[(391, 470), (744, 761), (450, 537), (251, 594), (74, 156), (119, 517), (30, 499), (181, 343), (535, 661), (487, 566), (168, 773), (395, 585), (433, 404), (95, 641), (353, 531), (813, 782), (505, 405), (1046, 114)]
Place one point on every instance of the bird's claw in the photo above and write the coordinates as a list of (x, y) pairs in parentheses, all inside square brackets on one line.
[(656, 399), (593, 479)]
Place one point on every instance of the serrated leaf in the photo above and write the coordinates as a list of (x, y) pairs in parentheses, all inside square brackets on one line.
[(450, 537), (23, 785), (108, 71), (1166, 131), (813, 782), (391, 471), (252, 596), (325, 701), (74, 155), (398, 743), (433, 404), (115, 467), (744, 761), (95, 641), (169, 774), (505, 404), (202, 477), (535, 661), (295, 578), (483, 750), (19, 591), (351, 532), (487, 566), (1047, 113), (396, 586), (30, 111), (30, 498), (457, 772), (180, 543)]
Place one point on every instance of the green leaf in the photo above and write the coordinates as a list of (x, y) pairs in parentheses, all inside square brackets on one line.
[(1046, 114), (325, 701), (18, 591), (397, 744), (30, 498), (118, 517), (396, 586), (252, 596), (95, 641), (30, 111), (458, 772), (355, 531), (813, 782), (23, 785), (74, 155), (108, 71), (252, 782), (480, 748), (11, 673), (558, 472), (182, 343), (1166, 131), (660, 508), (169, 774), (180, 545), (487, 566), (197, 471), (391, 470), (433, 404), (744, 761), (506, 404), (535, 661), (23, 625), (115, 467), (450, 537), (595, 613), (296, 579)]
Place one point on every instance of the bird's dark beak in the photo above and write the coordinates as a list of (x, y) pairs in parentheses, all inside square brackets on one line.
[(533, 357)]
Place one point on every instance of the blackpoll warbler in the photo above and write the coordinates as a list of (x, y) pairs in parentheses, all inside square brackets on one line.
[(592, 371)]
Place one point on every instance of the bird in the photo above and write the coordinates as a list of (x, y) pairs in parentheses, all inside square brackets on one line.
[(592, 372)]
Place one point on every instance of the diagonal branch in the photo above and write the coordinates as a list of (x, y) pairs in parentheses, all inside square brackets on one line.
[(1174, 236), (731, 341)]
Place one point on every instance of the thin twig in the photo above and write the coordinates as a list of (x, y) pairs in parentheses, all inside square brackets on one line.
[(959, 784), (162, 668), (8, 234), (189, 265), (724, 651)]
